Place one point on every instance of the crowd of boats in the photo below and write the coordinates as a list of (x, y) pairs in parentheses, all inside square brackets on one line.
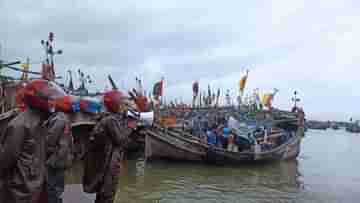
[(227, 135), (210, 132), (223, 134)]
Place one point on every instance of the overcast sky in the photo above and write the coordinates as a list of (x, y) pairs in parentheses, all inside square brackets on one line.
[(305, 45)]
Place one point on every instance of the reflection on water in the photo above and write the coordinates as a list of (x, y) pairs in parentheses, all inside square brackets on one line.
[(168, 181), (308, 179)]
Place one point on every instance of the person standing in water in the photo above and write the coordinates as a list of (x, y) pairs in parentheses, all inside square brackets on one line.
[(106, 148)]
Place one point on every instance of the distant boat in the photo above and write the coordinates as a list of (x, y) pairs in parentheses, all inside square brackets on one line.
[(317, 125), (353, 128)]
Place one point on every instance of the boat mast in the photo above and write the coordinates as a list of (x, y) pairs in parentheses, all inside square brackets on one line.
[(295, 99), (48, 71)]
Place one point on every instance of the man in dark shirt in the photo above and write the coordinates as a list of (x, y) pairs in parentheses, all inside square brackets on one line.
[(107, 145), (22, 147)]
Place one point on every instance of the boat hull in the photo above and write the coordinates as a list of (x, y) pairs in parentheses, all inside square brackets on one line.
[(160, 145), (287, 151)]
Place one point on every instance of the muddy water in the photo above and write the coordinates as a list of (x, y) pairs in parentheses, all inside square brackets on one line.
[(327, 170)]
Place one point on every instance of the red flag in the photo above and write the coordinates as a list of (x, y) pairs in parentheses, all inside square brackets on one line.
[(161, 88), (196, 88), (48, 72)]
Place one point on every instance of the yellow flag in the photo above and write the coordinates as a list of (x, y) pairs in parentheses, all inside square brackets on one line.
[(243, 83), (25, 67), (267, 99)]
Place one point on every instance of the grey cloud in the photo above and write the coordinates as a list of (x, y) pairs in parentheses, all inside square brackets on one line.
[(185, 40)]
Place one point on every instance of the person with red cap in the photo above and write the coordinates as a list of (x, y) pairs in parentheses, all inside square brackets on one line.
[(23, 145), (106, 148)]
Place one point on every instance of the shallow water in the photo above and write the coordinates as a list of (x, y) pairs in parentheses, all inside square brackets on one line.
[(327, 170)]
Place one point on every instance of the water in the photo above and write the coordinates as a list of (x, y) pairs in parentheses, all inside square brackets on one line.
[(327, 170)]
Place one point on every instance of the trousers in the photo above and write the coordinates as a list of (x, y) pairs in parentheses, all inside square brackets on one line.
[(55, 185)]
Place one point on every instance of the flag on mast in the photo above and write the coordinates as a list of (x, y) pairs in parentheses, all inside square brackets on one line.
[(71, 84), (209, 96), (162, 86), (200, 100), (26, 67), (205, 99), (158, 90), (217, 97), (267, 99), (243, 82), (195, 89)]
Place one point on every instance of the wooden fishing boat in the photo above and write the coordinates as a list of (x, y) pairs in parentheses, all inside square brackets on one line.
[(167, 145), (286, 151), (171, 145)]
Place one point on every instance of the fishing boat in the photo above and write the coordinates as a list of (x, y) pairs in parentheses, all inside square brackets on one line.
[(317, 125), (160, 144), (353, 127), (171, 144), (334, 126), (285, 151)]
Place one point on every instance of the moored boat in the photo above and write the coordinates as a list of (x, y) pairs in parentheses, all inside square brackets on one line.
[(286, 151), (353, 128), (172, 145), (165, 145)]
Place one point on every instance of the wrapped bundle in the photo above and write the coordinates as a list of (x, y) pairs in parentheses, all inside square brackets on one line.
[(68, 104), (91, 104)]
